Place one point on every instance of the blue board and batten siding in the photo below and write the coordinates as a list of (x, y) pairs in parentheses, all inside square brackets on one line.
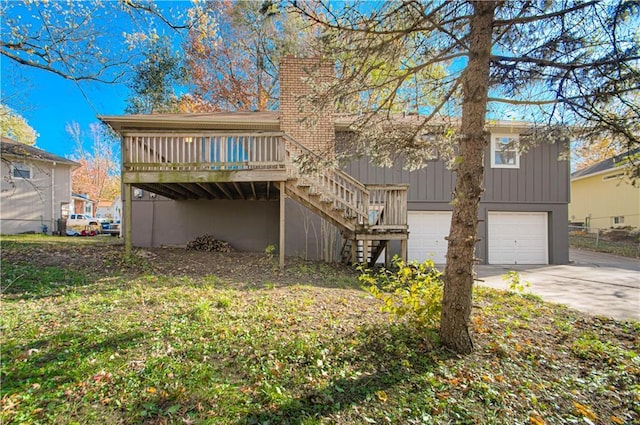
[(540, 184)]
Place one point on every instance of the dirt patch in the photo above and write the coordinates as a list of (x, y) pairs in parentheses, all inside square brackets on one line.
[(240, 268)]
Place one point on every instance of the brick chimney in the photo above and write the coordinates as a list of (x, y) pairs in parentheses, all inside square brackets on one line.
[(298, 117)]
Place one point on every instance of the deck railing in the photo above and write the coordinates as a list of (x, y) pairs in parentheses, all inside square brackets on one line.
[(388, 206), (203, 151), (380, 207)]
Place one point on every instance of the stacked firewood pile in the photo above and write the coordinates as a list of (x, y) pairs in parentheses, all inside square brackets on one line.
[(209, 243)]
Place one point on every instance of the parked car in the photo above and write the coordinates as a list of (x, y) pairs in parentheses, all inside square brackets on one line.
[(105, 225), (81, 220), (83, 224), (113, 229)]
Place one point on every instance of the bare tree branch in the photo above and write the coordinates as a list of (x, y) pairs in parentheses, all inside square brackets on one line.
[(561, 65), (543, 16)]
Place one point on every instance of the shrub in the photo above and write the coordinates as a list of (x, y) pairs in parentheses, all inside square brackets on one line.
[(410, 289), (515, 282), (271, 251)]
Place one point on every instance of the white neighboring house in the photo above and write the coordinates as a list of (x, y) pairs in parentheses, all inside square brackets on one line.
[(35, 190), (111, 210), (116, 209), (103, 210)]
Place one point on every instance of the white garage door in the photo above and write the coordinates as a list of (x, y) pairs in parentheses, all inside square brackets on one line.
[(427, 232), (517, 237)]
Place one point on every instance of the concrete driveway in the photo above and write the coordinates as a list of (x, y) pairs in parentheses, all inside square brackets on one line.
[(599, 284)]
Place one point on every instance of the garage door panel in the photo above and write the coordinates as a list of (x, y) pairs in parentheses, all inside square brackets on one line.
[(427, 233), (517, 237)]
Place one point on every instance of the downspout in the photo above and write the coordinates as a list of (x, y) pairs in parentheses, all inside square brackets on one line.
[(53, 195)]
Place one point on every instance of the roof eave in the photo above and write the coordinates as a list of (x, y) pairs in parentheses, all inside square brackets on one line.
[(599, 173), (61, 160), (124, 124)]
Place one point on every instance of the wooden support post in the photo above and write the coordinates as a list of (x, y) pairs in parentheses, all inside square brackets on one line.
[(282, 222), (365, 252), (128, 191), (354, 251), (403, 249), (387, 254)]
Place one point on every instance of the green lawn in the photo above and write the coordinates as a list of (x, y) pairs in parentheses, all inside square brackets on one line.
[(80, 345)]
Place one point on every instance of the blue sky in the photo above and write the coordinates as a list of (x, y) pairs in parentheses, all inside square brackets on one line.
[(48, 102)]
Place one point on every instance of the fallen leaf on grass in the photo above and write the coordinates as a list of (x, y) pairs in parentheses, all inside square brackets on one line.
[(535, 419), (382, 396), (102, 376), (584, 411)]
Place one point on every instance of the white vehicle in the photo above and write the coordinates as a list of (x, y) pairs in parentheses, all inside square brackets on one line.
[(83, 224), (82, 220)]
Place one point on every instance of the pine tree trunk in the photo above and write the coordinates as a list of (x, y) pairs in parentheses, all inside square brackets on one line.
[(459, 277)]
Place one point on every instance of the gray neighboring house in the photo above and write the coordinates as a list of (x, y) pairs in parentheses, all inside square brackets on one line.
[(35, 189), (237, 176)]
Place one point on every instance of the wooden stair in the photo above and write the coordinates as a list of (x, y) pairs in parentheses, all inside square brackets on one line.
[(353, 248), (367, 216)]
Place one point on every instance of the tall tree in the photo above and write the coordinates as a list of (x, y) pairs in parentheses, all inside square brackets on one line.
[(15, 127), (555, 63), (153, 86), (79, 41), (587, 152), (98, 174), (234, 63)]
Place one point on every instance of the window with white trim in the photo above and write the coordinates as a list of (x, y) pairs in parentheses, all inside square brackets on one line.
[(21, 171), (504, 151), (617, 220)]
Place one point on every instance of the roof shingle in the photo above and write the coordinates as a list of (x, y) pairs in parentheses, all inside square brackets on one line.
[(607, 164), (20, 150)]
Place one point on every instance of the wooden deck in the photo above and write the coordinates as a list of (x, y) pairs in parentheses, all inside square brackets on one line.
[(262, 165)]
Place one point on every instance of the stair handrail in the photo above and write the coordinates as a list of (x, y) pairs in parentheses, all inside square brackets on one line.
[(361, 208), (342, 174)]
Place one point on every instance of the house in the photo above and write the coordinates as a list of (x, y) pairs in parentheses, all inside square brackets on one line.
[(103, 209), (35, 189), (602, 195), (110, 209), (238, 176), (82, 204)]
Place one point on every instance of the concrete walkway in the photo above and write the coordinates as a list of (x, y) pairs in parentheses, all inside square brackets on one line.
[(596, 283)]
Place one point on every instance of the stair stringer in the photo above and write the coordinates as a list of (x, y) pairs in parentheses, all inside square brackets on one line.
[(314, 204), (340, 199)]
